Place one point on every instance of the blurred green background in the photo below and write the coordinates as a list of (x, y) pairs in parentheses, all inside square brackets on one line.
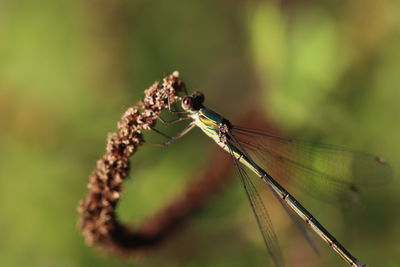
[(323, 70)]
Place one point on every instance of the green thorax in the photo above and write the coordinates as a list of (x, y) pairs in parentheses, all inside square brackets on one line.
[(210, 122)]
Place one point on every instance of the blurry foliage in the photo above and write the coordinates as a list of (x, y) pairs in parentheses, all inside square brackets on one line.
[(325, 70)]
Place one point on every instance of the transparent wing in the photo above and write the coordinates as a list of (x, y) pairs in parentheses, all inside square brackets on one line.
[(294, 217), (324, 172), (261, 214)]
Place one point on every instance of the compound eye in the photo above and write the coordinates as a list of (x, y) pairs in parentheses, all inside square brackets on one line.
[(187, 102)]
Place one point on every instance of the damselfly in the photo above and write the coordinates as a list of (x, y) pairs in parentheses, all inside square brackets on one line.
[(306, 164)]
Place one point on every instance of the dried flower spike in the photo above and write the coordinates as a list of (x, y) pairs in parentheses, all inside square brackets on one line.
[(98, 221)]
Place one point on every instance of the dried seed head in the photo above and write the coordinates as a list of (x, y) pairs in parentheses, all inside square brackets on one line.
[(98, 222)]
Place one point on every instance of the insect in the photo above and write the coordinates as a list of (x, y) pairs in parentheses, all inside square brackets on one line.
[(306, 164)]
